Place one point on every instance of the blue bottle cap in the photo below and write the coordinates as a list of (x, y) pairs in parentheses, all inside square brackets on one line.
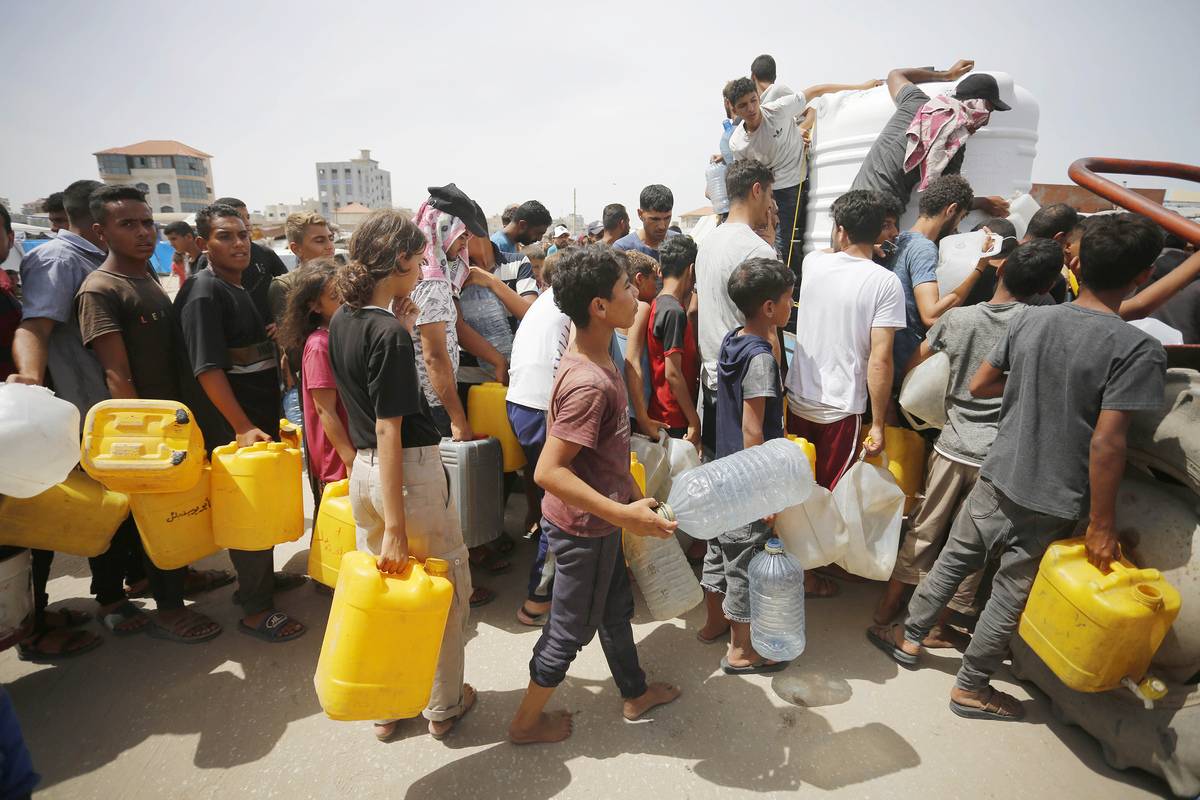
[(774, 546)]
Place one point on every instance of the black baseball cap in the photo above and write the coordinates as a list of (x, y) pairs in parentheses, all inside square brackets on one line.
[(981, 87)]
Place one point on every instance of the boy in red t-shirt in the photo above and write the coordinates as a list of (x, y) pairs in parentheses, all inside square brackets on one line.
[(671, 342)]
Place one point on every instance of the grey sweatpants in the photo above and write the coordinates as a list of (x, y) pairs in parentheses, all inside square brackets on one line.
[(591, 594), (989, 526)]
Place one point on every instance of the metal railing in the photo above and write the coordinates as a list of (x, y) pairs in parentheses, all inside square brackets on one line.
[(1084, 172)]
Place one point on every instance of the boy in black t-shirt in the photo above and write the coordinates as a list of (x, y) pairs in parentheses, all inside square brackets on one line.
[(127, 320), (234, 360)]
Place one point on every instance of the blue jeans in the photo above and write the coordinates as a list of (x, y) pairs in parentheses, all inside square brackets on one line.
[(529, 424)]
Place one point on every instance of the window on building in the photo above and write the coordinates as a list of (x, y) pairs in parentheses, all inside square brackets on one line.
[(192, 189), (113, 164), (167, 210), (141, 187), (163, 188)]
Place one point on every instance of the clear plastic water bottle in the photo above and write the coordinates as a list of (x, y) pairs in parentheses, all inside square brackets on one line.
[(776, 603), (726, 151), (714, 180), (735, 490)]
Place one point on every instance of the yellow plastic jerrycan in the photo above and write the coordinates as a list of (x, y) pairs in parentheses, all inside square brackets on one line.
[(176, 527), (383, 639), (333, 534), (905, 451), (488, 415), (78, 516), (257, 497), (142, 446), (1092, 629), (809, 449), (291, 434)]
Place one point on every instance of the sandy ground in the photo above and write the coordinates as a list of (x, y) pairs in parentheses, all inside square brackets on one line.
[(143, 718)]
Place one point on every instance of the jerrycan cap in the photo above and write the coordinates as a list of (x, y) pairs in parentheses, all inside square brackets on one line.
[(665, 511), (774, 546), (437, 567)]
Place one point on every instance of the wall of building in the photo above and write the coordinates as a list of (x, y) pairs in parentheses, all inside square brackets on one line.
[(358, 180), (166, 190)]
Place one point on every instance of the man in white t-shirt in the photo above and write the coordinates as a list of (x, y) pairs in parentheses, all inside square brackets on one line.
[(769, 131), (850, 310), (537, 347), (749, 187)]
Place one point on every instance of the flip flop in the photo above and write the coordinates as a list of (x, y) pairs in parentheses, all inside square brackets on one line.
[(72, 618), (468, 703), (178, 630), (205, 580), (532, 620), (125, 612), (28, 649), (761, 668), (718, 638), (990, 710), (828, 588), (486, 596), (271, 628), (889, 646)]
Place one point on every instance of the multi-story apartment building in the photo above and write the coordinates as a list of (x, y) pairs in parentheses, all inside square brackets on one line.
[(360, 180), (175, 177)]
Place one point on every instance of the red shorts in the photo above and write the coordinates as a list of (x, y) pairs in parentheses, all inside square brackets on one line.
[(837, 444)]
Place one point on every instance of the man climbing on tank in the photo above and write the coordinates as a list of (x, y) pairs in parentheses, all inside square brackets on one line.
[(926, 138)]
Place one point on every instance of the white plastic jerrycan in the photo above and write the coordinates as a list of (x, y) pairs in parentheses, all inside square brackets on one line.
[(960, 253)]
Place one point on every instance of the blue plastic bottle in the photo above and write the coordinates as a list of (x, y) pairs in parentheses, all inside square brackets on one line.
[(776, 604)]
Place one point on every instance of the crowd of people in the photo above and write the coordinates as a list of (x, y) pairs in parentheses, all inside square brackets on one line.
[(626, 331)]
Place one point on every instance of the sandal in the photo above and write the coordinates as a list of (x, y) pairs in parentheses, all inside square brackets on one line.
[(888, 645), (827, 587), (76, 643), (179, 630), (998, 705), (532, 620), (761, 668), (199, 581), (271, 628), (489, 562), (124, 614), (481, 597), (71, 618), (504, 544), (441, 729), (139, 590)]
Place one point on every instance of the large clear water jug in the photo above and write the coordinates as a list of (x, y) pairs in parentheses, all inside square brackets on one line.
[(735, 490), (776, 603), (660, 568), (714, 182), (39, 439)]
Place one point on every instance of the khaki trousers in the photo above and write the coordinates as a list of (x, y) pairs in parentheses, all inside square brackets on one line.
[(433, 529), (947, 484)]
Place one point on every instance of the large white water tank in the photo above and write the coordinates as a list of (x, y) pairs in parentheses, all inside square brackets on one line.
[(999, 158)]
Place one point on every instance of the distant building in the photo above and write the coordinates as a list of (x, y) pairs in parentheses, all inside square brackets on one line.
[(349, 217), (1083, 200), (689, 220), (174, 176), (1185, 202), (279, 212), (360, 180)]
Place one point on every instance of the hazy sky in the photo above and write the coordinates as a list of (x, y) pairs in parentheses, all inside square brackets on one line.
[(531, 99)]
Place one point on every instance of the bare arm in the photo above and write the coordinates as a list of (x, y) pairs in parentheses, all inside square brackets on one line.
[(673, 369), (988, 381), (753, 412), (931, 307), (31, 344), (923, 353), (470, 340), (553, 473), (897, 79), (830, 88), (441, 376), (325, 402), (215, 384), (114, 358), (1147, 301), (1106, 466), (516, 304), (879, 384), (634, 380), (393, 552)]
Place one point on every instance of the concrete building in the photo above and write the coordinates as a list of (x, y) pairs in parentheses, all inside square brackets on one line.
[(360, 180), (174, 176), (349, 217), (279, 212), (689, 221)]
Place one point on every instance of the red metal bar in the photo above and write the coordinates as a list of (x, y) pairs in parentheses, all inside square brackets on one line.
[(1084, 172)]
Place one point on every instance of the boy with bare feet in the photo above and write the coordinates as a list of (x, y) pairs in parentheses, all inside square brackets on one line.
[(590, 498), (1071, 377), (749, 412)]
